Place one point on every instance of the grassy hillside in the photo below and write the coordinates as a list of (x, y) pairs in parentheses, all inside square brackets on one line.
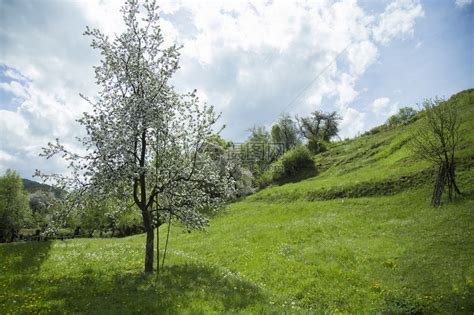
[(359, 236)]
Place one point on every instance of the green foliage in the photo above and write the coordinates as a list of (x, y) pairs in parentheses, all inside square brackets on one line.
[(254, 157), (42, 205), (92, 216), (293, 165), (14, 210), (319, 128), (128, 222), (405, 115), (315, 146), (31, 186), (265, 179), (259, 134), (376, 130), (285, 132), (221, 142), (106, 216)]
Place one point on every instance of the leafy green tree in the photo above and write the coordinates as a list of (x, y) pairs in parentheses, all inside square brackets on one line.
[(127, 222), (94, 216), (403, 115), (436, 140), (257, 152), (14, 210), (259, 134), (42, 204), (143, 139), (285, 131), (319, 128)]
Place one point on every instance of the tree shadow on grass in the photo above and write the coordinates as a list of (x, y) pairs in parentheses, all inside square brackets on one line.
[(189, 288), (19, 264), (23, 258), (299, 176)]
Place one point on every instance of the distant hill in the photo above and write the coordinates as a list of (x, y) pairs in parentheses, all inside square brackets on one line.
[(31, 186)]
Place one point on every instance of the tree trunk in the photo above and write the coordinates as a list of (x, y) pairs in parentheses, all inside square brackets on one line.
[(439, 186), (452, 177), (449, 181), (150, 237)]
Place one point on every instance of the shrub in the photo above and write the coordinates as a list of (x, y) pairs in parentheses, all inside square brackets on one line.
[(265, 179), (293, 162), (316, 147), (376, 130)]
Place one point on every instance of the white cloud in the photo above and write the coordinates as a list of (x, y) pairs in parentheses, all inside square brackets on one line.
[(353, 122), (380, 104), (15, 75), (103, 14), (463, 3), (249, 58), (398, 20), (382, 107), (346, 90), (4, 156), (40, 118), (361, 55), (15, 88)]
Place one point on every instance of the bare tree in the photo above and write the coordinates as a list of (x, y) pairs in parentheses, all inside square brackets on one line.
[(436, 140)]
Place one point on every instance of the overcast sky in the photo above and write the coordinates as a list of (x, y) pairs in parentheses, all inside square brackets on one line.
[(252, 60)]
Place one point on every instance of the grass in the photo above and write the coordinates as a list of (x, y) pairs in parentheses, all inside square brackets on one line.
[(104, 276), (359, 237), (350, 255)]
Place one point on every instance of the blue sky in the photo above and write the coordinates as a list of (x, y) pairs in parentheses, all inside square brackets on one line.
[(252, 60)]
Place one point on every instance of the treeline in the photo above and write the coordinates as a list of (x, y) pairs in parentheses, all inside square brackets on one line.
[(41, 214)]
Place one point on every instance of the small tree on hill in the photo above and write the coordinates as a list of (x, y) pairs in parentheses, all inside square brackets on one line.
[(436, 140), (143, 139), (256, 153), (319, 128), (285, 132), (403, 115)]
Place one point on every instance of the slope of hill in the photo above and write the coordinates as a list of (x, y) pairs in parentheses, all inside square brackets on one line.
[(31, 186), (359, 236)]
